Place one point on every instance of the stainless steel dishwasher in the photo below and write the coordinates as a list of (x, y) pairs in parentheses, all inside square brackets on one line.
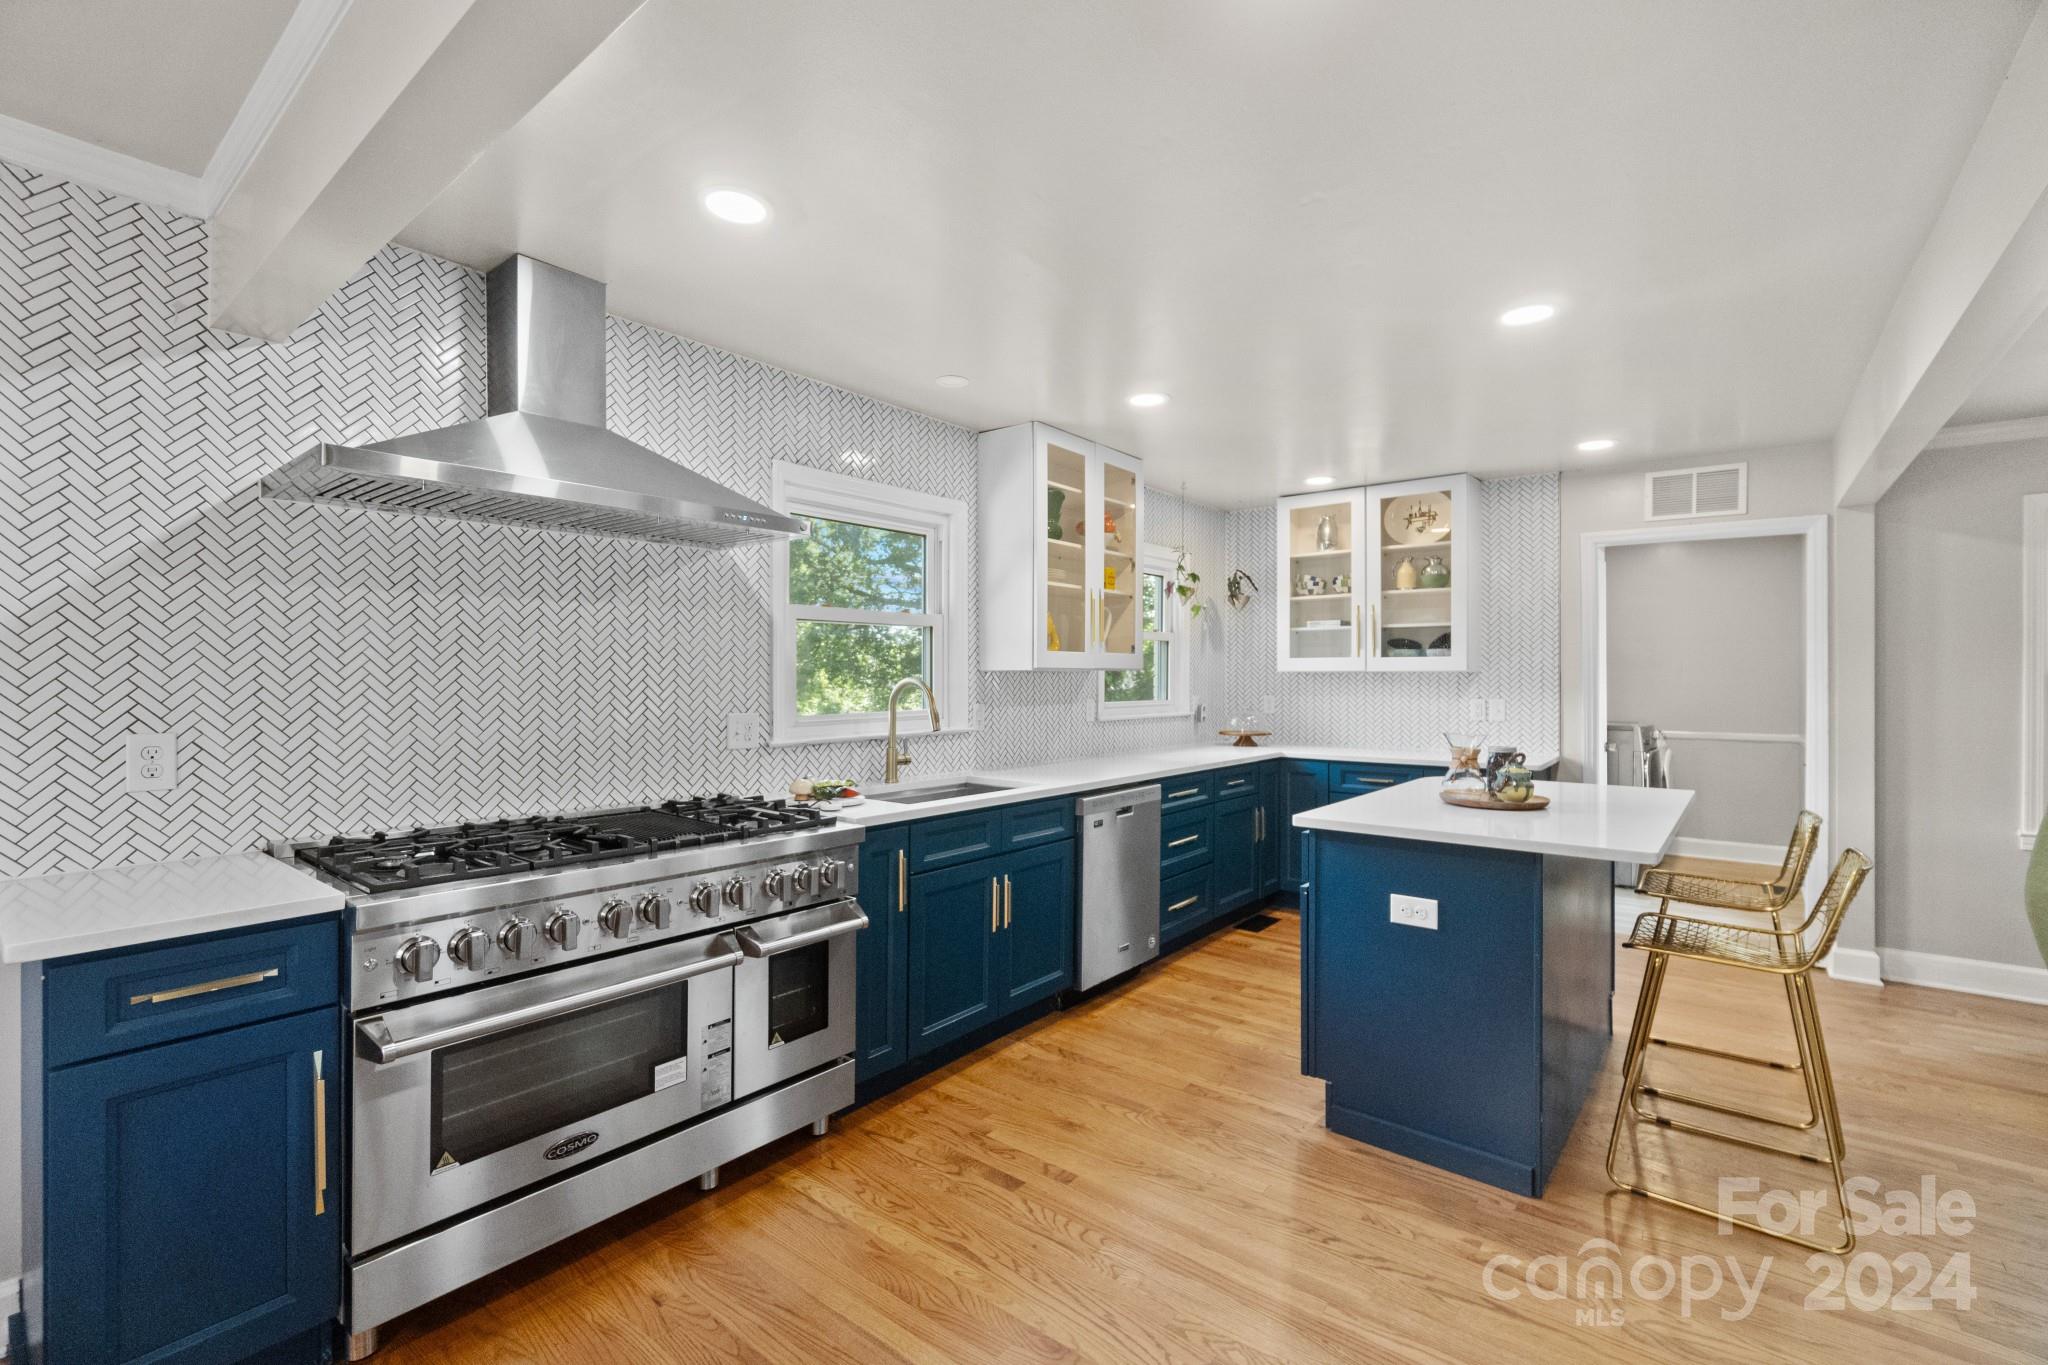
[(1119, 882)]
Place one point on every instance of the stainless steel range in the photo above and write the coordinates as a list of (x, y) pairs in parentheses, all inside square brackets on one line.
[(558, 1018)]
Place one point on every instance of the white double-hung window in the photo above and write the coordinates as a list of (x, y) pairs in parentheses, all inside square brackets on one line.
[(1159, 685), (870, 597)]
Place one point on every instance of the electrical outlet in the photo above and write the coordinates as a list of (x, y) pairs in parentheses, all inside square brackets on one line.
[(1413, 911), (151, 763), (1475, 708), (742, 730), (1496, 708), (1268, 704)]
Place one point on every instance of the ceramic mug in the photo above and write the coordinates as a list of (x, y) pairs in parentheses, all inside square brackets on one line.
[(1311, 584)]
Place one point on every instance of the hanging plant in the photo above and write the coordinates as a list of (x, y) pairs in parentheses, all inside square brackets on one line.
[(1186, 584), (1238, 589)]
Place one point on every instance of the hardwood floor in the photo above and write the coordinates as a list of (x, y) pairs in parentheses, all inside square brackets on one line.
[(1145, 1178)]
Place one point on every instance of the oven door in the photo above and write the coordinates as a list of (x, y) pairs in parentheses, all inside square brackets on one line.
[(461, 1099), (792, 1005)]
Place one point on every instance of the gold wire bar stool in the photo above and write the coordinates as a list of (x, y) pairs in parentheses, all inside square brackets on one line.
[(1755, 888), (1789, 953)]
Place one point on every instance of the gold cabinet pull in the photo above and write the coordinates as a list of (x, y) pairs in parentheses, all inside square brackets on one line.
[(902, 879), (1006, 900), (1185, 839), (226, 983), (1259, 825), (1182, 905), (1358, 632), (995, 906), (1184, 791), (319, 1134)]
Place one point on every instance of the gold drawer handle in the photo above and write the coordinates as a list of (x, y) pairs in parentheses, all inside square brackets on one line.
[(319, 1135), (1184, 791), (1182, 905), (1237, 781), (226, 983), (902, 880), (1189, 839)]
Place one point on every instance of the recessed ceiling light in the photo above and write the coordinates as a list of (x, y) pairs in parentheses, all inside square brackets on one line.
[(1527, 313), (1147, 400), (952, 381), (1596, 445), (736, 206), (1319, 481)]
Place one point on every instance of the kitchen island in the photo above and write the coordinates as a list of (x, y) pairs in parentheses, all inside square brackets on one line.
[(1458, 967)]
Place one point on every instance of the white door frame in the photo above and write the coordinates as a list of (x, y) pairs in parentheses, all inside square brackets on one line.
[(1813, 530)]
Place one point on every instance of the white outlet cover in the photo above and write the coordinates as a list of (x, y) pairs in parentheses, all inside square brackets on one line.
[(1413, 911), (1475, 708), (742, 730), (149, 763), (1496, 708), (1268, 704)]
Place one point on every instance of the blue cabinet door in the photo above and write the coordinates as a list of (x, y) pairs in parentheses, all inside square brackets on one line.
[(882, 1000), (1038, 923), (1307, 787), (1273, 833), (955, 917), (188, 1223), (1235, 879)]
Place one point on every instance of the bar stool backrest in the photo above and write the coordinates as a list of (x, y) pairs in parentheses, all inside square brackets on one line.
[(1798, 857), (1843, 884)]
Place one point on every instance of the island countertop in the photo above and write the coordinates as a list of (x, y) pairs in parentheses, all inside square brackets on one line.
[(1583, 820)]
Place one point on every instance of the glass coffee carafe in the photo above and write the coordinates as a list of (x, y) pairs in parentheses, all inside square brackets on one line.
[(1466, 773)]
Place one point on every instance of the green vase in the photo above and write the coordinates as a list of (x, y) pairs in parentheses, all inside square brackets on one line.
[(1054, 499)]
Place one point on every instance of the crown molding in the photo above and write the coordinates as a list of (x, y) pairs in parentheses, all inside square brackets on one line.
[(196, 196), (1990, 433)]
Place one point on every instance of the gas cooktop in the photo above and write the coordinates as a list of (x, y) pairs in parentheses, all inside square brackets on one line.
[(454, 853)]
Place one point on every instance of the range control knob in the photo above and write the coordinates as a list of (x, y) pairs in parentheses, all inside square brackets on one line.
[(735, 891), (562, 928), (470, 948), (802, 878), (654, 909), (417, 958), (828, 875), (700, 898), (514, 936), (774, 883), (617, 918)]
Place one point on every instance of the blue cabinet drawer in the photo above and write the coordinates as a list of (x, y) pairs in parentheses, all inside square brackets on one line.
[(1184, 839), (1184, 901), (102, 1003), (954, 839), (1039, 822), (1355, 779), (1231, 783), (1177, 793)]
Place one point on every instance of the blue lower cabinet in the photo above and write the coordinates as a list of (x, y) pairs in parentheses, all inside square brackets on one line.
[(882, 952), (1038, 924), (1305, 786), (1185, 904), (193, 1196), (1273, 832), (1235, 865), (955, 915)]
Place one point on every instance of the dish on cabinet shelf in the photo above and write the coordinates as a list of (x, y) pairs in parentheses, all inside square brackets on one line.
[(1417, 519)]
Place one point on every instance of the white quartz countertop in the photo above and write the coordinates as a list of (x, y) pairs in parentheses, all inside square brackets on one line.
[(1614, 824), (117, 907), (1111, 770)]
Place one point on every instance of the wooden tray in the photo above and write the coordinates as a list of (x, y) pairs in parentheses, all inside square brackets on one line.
[(1491, 802)]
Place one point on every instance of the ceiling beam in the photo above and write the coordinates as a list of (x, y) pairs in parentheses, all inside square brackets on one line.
[(1980, 281), (404, 95)]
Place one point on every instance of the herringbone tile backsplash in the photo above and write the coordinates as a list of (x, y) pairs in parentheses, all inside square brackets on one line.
[(328, 669)]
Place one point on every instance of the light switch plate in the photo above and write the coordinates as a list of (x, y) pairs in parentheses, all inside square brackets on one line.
[(1496, 708), (742, 730), (1413, 911), (1475, 708), (151, 763), (1268, 704)]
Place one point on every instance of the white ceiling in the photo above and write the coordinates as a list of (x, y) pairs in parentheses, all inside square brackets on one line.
[(1297, 217), (159, 80), (2017, 388)]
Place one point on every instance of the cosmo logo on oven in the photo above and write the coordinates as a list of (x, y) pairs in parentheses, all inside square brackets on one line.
[(570, 1146)]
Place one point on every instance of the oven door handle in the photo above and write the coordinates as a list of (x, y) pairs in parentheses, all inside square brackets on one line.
[(382, 1045), (846, 919)]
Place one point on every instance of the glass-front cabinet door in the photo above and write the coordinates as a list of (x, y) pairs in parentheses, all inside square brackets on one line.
[(1421, 570), (1072, 485), (1119, 614), (1320, 580)]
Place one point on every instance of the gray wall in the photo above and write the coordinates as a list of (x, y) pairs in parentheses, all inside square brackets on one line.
[(1948, 703), (1710, 635)]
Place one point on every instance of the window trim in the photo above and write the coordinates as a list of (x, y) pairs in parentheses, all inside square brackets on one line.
[(802, 491), (1173, 628), (2033, 666)]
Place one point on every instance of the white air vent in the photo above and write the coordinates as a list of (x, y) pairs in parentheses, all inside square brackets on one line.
[(1720, 490)]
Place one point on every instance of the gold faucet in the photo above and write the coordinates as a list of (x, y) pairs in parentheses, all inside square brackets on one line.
[(899, 752)]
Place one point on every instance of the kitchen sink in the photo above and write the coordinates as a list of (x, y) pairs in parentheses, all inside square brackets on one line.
[(916, 796)]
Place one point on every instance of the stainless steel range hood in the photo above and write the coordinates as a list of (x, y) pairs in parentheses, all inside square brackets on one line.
[(542, 457)]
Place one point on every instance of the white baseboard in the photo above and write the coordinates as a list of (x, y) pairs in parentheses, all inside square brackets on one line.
[(1860, 965), (1730, 850), (2004, 980)]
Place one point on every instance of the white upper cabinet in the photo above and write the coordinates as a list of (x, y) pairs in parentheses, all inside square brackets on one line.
[(1061, 529), (1381, 579)]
